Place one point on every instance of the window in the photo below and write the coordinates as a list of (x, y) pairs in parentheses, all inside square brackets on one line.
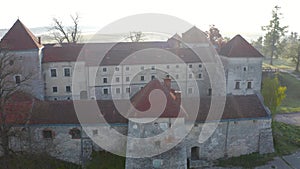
[(200, 65), (245, 68), (18, 79), (190, 66), (177, 76), (195, 151), (95, 132), (127, 68), (190, 76), (118, 90), (105, 91), (67, 72), (117, 68), (177, 66), (209, 92), (48, 134), (53, 73), (54, 89), (237, 85), (11, 62), (104, 69), (142, 78), (68, 89), (168, 67), (152, 67), (128, 90), (152, 77), (142, 67), (190, 90), (104, 80), (249, 85), (75, 133), (117, 79), (200, 76), (127, 79)]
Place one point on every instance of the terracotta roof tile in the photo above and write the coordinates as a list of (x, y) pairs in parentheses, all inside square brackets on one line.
[(239, 47), (19, 37)]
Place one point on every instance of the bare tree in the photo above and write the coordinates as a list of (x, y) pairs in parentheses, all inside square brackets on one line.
[(135, 36), (61, 33), (12, 80)]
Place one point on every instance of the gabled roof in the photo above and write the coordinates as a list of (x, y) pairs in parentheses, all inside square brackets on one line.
[(239, 47), (68, 53), (19, 37), (194, 35), (141, 102)]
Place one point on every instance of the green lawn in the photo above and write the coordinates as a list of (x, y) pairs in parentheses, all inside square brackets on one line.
[(292, 101), (106, 160), (286, 141)]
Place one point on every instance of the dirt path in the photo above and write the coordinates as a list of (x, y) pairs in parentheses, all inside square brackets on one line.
[(289, 118)]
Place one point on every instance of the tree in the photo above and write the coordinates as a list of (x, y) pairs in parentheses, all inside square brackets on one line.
[(292, 49), (61, 33), (135, 36), (11, 112), (274, 33), (273, 93), (215, 37), (258, 44)]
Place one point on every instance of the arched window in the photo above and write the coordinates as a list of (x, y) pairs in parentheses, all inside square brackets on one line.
[(75, 133)]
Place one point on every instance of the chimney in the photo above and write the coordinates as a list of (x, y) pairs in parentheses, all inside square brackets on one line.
[(167, 82), (40, 40)]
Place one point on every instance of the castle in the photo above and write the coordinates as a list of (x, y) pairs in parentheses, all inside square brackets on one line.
[(243, 127)]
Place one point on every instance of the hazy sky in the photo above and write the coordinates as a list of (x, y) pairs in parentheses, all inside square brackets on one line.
[(231, 16)]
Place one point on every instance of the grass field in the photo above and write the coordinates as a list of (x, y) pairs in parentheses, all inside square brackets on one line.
[(292, 101)]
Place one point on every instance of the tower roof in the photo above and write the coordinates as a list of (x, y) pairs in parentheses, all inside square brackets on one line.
[(239, 47), (141, 101), (19, 37), (194, 35)]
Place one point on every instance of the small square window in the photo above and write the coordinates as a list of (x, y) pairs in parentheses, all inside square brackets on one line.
[(53, 73), (142, 67), (190, 66), (152, 77), (105, 91), (177, 76), (190, 90), (95, 132), (104, 80), (168, 67), (200, 76), (117, 79), (117, 68), (127, 68), (67, 72), (142, 78), (177, 66), (54, 89), (200, 65), (249, 85), (18, 79), (68, 89), (209, 92), (245, 68), (104, 69), (118, 90), (48, 134), (237, 85), (127, 79), (128, 90), (152, 67), (75, 133)]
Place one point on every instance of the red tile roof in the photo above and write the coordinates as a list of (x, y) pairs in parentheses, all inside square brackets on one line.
[(141, 101), (239, 47), (67, 53), (19, 38)]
